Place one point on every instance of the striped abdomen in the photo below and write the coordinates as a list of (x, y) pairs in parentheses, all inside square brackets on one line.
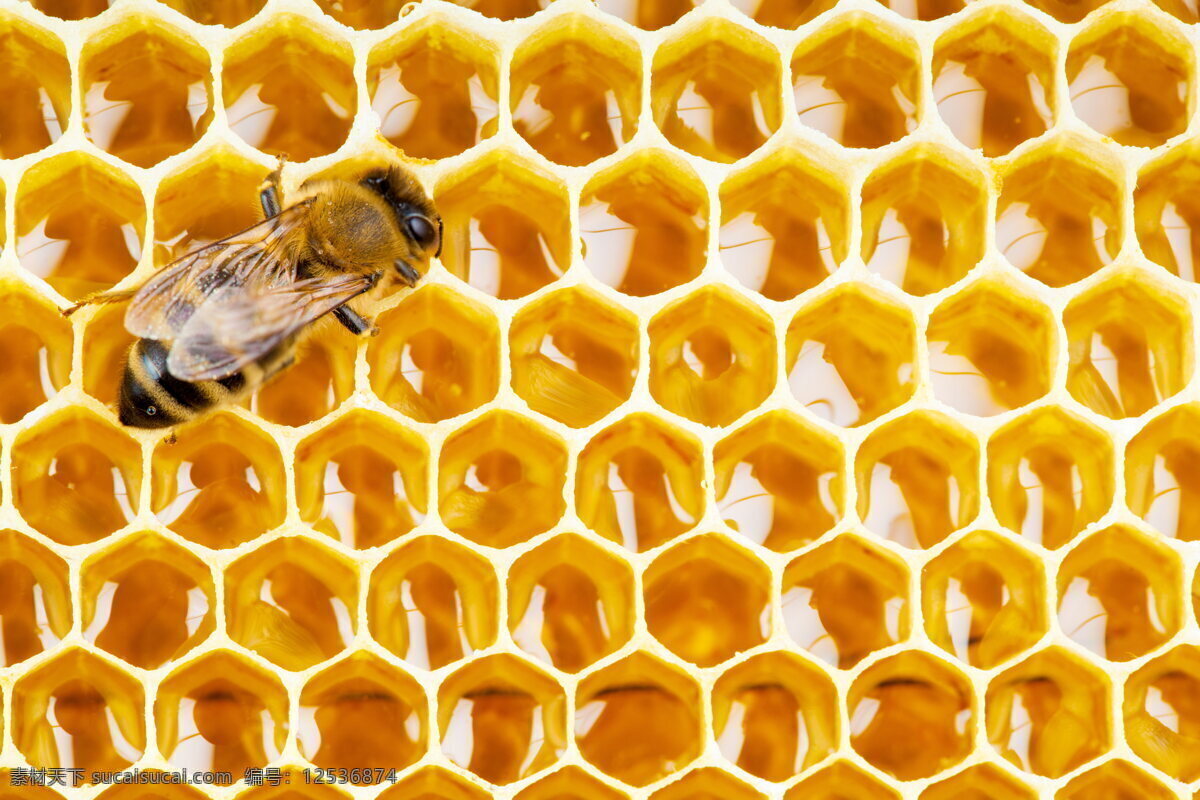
[(151, 397)]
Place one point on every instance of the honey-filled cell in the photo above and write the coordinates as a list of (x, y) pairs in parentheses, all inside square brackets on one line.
[(71, 9), (433, 602), (1162, 716), (505, 9), (707, 783), (569, 783), (106, 345), (35, 601), (434, 783), (434, 90), (649, 15), (363, 14), (35, 351), (980, 782), (841, 780), (1161, 464), (228, 13), (321, 378), (37, 81), (1115, 780)]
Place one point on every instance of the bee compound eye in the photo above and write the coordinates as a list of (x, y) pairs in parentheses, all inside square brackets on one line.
[(421, 230)]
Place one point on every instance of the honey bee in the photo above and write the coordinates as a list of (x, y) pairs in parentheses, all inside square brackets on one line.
[(217, 323)]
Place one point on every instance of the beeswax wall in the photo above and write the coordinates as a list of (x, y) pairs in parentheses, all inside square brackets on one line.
[(803, 405)]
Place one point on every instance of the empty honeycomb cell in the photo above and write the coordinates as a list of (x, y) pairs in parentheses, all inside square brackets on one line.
[(502, 719), (500, 480), (1114, 780), (363, 14), (924, 215), (76, 711), (644, 224), (775, 715), (220, 484), (637, 719), (980, 782), (35, 351), (858, 81), (288, 88), (640, 482), (570, 602), (841, 781), (707, 600), (362, 480), (574, 355), (362, 715), (106, 344), (569, 783), (434, 89), (35, 601), (79, 223), (918, 479), (507, 229), (1129, 79), (784, 225), (1166, 215), (318, 382), (37, 81), (147, 601), (712, 357), (229, 13), (433, 783), (433, 602), (1050, 475), (146, 91), (707, 783), (779, 482), (714, 90), (845, 600), (1119, 593), (983, 600), (1162, 718), (851, 355), (576, 90), (76, 477), (220, 712), (1049, 714), (1160, 474), (1129, 345), (1058, 218), (993, 80), (911, 715), (437, 356), (292, 601)]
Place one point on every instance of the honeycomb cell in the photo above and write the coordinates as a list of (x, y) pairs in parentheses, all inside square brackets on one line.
[(105, 346), (147, 601), (362, 480), (779, 482), (707, 600), (362, 715), (851, 355), (980, 782), (79, 223), (1129, 346), (292, 775), (1067, 10), (1058, 218), (918, 479), (576, 90), (433, 602), (570, 602), (1160, 476), (1162, 717), (845, 600), (1049, 714), (640, 483), (502, 719), (1129, 80), (1118, 594), (433, 783), (574, 356), (649, 15), (707, 783), (841, 781), (437, 356), (318, 382), (911, 715), (71, 9), (76, 477), (983, 600), (1114, 780), (289, 89), (363, 14), (35, 351), (500, 480), (505, 9), (76, 711), (775, 715), (221, 713), (134, 791), (433, 89), (644, 224), (714, 91), (35, 599), (993, 79), (220, 484), (507, 226), (1166, 215), (924, 215), (1050, 475), (146, 91), (229, 13), (858, 81), (637, 719), (569, 783), (712, 357), (37, 82), (292, 601)]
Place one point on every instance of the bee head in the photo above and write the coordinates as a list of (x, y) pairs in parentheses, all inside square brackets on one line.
[(415, 214)]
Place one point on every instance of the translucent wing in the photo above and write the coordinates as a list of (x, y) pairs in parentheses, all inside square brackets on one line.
[(234, 327), (254, 259)]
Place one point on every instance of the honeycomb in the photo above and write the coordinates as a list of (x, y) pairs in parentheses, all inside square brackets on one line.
[(776, 422)]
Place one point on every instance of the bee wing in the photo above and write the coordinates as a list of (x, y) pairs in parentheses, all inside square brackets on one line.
[(253, 260), (234, 327)]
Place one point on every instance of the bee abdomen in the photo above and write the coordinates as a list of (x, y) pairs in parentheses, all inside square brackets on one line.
[(151, 397)]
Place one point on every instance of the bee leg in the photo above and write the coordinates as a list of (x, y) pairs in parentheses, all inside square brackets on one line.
[(354, 322), (409, 275), (270, 193), (100, 298)]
